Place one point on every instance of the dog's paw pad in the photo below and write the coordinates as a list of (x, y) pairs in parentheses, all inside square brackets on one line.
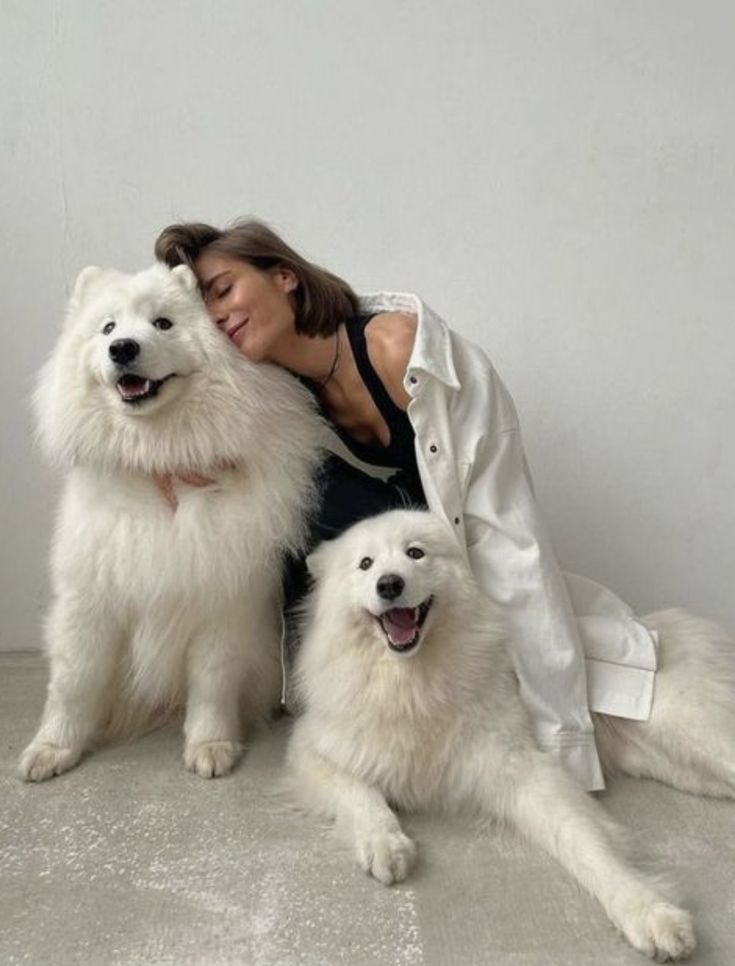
[(41, 761), (665, 933), (210, 759), (386, 855)]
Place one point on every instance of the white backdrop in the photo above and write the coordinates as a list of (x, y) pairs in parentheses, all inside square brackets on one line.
[(555, 178)]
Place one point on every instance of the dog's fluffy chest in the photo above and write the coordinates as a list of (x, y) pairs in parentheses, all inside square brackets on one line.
[(410, 721), (132, 542), (400, 733)]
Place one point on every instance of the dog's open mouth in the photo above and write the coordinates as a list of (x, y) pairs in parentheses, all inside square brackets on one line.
[(402, 626), (136, 389)]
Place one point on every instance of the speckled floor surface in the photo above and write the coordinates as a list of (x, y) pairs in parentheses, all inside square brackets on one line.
[(130, 860)]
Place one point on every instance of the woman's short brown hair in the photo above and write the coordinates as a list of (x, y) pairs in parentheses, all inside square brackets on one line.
[(323, 300)]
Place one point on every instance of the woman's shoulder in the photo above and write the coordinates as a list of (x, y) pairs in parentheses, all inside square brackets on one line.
[(390, 338), (391, 331)]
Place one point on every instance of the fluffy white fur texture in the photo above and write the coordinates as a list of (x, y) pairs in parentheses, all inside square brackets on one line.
[(161, 601), (438, 724)]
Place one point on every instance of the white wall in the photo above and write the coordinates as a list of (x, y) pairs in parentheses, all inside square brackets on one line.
[(556, 178)]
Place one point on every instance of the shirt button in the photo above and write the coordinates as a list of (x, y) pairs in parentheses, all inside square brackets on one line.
[(433, 448)]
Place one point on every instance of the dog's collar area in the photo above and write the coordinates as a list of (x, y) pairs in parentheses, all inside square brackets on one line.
[(136, 389), (402, 625)]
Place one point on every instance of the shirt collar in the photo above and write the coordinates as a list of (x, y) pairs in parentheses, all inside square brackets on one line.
[(432, 349)]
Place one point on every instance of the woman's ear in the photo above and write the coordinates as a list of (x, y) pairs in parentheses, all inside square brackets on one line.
[(287, 279)]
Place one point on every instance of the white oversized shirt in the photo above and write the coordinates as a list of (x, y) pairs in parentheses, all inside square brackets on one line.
[(575, 645)]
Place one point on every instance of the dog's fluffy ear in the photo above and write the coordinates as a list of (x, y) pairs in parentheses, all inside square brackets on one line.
[(85, 280), (316, 562), (90, 282), (186, 277)]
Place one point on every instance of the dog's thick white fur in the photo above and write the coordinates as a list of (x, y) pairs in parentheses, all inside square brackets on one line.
[(190, 474), (409, 698)]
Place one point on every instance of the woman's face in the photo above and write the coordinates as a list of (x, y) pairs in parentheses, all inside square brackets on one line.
[(254, 308)]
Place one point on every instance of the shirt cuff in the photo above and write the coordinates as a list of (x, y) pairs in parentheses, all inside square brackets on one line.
[(577, 753)]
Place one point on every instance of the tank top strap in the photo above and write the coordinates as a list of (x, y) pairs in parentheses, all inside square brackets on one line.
[(355, 328)]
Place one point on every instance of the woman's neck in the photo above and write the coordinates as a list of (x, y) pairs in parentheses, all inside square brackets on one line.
[(328, 362)]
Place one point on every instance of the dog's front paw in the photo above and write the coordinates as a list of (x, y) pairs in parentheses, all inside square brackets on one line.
[(663, 932), (210, 759), (41, 760), (386, 855)]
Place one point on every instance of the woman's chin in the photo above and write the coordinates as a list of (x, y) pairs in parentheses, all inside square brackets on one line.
[(240, 341), (252, 351)]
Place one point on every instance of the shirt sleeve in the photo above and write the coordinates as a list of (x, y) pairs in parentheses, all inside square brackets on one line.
[(512, 559)]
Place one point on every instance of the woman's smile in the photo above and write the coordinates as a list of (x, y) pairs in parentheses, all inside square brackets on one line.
[(232, 330)]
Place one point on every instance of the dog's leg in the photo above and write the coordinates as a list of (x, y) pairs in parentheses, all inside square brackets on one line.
[(360, 812), (83, 647), (534, 794), (217, 671)]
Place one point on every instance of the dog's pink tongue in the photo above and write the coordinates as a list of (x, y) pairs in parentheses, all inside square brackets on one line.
[(400, 624)]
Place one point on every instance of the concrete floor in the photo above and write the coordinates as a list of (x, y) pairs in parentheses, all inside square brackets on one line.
[(130, 860)]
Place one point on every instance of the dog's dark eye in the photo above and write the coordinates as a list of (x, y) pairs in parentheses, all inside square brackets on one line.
[(163, 323), (106, 329), (366, 563), (415, 553)]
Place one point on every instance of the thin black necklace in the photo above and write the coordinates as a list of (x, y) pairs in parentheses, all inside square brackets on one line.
[(335, 362)]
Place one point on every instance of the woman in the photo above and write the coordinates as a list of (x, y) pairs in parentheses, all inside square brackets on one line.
[(405, 393)]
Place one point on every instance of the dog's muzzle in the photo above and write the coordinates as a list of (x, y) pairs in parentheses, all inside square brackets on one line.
[(132, 386), (123, 351), (390, 586)]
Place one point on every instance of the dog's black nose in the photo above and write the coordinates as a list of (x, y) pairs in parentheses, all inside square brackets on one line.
[(390, 586), (123, 351)]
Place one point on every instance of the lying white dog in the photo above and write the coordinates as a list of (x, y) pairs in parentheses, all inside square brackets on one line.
[(409, 697), (190, 475)]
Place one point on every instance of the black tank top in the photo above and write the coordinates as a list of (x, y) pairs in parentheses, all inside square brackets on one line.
[(400, 453)]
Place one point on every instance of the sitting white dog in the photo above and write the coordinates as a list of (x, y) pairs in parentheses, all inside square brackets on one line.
[(190, 474), (409, 698)]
